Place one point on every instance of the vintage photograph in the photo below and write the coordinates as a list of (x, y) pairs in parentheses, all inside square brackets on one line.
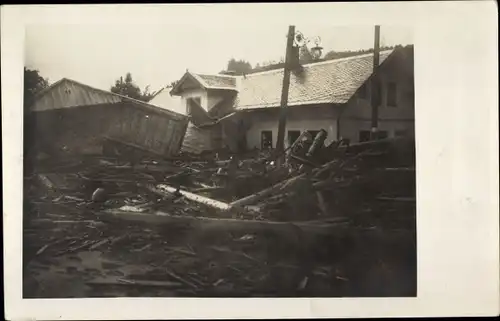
[(204, 161)]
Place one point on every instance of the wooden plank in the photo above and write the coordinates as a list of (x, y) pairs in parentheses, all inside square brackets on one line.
[(143, 130), (157, 133), (126, 282), (208, 224), (254, 198), (163, 190), (167, 136)]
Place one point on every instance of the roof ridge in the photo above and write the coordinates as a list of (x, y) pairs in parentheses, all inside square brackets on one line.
[(325, 62), (137, 101), (216, 75)]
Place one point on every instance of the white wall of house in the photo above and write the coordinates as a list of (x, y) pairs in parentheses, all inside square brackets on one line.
[(299, 119), (255, 131), (195, 93), (213, 99), (392, 119)]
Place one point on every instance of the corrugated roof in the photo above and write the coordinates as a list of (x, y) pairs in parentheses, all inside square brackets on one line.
[(166, 101), (68, 93), (332, 81)]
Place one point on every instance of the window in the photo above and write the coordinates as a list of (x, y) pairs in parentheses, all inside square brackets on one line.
[(382, 134), (364, 136), (391, 94), (313, 133), (266, 137), (363, 91), (293, 135), (192, 101)]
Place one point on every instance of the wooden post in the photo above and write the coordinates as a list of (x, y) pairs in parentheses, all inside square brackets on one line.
[(284, 96), (375, 92)]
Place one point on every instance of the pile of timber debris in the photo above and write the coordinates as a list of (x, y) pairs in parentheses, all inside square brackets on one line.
[(338, 222)]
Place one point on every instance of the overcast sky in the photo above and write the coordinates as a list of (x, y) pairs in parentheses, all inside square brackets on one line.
[(158, 53)]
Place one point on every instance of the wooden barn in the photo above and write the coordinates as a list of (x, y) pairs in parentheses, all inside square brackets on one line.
[(70, 117)]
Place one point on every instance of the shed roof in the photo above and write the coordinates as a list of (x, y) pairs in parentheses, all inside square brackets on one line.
[(68, 93)]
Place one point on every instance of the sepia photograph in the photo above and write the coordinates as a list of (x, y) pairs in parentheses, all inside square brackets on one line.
[(245, 161), (154, 170)]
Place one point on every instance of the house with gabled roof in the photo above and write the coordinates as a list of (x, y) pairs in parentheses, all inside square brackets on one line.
[(242, 112)]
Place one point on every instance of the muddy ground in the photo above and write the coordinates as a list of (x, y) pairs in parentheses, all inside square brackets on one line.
[(72, 248)]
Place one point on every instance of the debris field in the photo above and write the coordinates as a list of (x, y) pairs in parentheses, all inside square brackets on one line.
[(339, 221)]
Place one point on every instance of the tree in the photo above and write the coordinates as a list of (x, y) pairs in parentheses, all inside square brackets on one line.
[(33, 84), (239, 67), (130, 89)]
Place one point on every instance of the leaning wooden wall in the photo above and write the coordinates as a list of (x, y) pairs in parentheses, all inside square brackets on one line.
[(84, 129)]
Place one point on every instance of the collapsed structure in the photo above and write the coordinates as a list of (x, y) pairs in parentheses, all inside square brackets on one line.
[(341, 223)]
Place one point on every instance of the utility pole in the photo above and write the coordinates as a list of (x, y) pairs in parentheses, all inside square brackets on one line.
[(375, 88), (284, 95)]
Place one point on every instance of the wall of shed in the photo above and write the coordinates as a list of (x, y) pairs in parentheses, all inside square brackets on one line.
[(82, 129), (198, 140)]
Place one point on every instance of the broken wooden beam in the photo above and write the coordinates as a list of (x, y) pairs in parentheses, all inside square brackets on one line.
[(207, 224), (126, 282), (256, 197), (162, 190), (321, 203)]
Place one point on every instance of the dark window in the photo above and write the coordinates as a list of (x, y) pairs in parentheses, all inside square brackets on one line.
[(382, 134), (266, 137), (313, 133), (363, 91), (391, 94), (192, 102), (364, 136), (292, 136)]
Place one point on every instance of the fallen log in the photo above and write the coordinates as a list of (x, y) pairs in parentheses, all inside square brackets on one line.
[(256, 197), (206, 224), (144, 283), (162, 190), (321, 203), (291, 183)]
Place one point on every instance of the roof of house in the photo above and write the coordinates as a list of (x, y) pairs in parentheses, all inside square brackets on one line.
[(218, 81), (333, 81), (330, 82), (68, 93), (206, 81)]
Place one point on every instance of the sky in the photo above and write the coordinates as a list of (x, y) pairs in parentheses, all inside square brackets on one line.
[(159, 52)]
